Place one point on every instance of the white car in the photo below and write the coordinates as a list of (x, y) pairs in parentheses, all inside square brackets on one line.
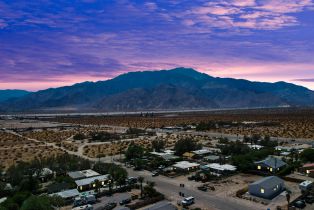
[(187, 201)]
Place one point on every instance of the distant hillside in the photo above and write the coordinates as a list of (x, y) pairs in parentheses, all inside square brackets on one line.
[(12, 94), (179, 88)]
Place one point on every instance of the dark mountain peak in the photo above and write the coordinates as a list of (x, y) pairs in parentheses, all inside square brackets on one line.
[(12, 93)]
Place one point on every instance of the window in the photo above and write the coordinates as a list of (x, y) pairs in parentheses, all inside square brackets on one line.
[(262, 190), (259, 167), (81, 187), (271, 169), (307, 171)]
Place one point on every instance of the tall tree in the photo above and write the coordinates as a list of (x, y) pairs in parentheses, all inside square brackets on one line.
[(141, 180)]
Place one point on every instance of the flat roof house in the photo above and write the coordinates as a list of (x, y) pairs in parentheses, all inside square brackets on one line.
[(201, 152), (218, 170), (212, 158), (165, 156), (271, 164), (268, 187), (186, 166), (68, 194), (82, 174), (89, 183)]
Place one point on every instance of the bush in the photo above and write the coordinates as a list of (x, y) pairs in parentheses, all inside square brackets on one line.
[(79, 136), (307, 155)]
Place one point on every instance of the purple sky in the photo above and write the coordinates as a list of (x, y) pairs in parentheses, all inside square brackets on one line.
[(50, 43)]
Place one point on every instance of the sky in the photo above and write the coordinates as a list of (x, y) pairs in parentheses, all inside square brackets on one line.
[(52, 43)]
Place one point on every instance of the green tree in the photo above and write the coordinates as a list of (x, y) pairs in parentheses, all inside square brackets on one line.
[(97, 184), (307, 155), (158, 145), (57, 201), (255, 138), (37, 203), (288, 196), (149, 190), (134, 151), (79, 136), (185, 145), (141, 180)]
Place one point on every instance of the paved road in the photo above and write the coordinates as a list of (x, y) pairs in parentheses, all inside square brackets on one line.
[(170, 188)]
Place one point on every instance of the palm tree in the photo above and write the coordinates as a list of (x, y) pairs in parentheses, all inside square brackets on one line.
[(288, 195), (149, 189), (97, 185), (141, 180)]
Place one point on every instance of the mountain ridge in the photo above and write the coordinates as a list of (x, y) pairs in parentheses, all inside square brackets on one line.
[(12, 93), (179, 88)]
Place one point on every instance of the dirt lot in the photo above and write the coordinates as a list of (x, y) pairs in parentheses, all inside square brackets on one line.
[(14, 149), (288, 122)]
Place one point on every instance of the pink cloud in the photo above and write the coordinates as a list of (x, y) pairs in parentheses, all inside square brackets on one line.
[(247, 14)]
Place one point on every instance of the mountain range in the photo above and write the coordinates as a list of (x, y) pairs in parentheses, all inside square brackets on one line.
[(175, 89), (12, 94)]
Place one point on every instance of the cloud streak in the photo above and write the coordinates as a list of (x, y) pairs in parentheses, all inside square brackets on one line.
[(64, 42)]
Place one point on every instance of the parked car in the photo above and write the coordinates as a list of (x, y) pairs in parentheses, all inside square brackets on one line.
[(300, 204), (86, 207), (79, 201), (202, 188), (191, 178), (90, 199), (155, 173), (187, 201), (110, 206), (132, 180), (125, 201), (309, 199)]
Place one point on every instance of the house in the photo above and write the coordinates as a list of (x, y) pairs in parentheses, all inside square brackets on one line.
[(67, 195), (268, 187), (218, 169), (89, 183), (164, 155), (212, 158), (186, 166), (44, 174), (188, 155), (76, 175), (201, 153), (308, 169), (271, 164)]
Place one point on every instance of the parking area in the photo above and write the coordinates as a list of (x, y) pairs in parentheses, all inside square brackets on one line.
[(117, 198)]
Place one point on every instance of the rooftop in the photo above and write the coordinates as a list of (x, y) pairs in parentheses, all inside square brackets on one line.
[(68, 193), (201, 152), (185, 165), (212, 157), (272, 162), (225, 167), (268, 182), (308, 165), (83, 174), (88, 181)]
